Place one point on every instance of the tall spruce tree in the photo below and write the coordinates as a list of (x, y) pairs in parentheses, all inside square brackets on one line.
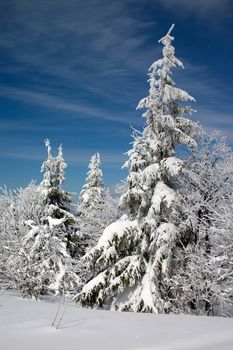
[(134, 258)]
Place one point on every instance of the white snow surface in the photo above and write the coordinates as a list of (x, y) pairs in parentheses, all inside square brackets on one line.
[(27, 324)]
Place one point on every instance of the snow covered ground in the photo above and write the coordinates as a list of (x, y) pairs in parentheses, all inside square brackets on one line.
[(26, 324)]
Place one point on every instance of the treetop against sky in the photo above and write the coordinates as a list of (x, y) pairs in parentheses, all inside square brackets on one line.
[(74, 71)]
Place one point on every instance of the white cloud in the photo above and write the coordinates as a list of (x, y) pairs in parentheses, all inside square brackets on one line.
[(201, 8), (63, 37), (76, 110), (80, 156), (62, 47), (94, 46)]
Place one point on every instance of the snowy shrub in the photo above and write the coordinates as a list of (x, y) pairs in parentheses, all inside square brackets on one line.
[(207, 189)]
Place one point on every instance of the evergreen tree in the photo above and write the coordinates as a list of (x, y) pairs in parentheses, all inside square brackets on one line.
[(134, 259), (54, 176), (44, 264), (57, 201), (93, 191), (44, 236), (96, 208)]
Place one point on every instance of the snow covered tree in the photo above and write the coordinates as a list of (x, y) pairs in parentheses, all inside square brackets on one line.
[(205, 181), (54, 176), (96, 207), (7, 221), (222, 253), (134, 258), (43, 236), (92, 222), (19, 206), (58, 201), (202, 283), (43, 264), (93, 191)]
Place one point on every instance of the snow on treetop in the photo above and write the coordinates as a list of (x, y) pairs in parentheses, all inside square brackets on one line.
[(168, 34)]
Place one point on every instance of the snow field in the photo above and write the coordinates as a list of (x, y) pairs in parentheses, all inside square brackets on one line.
[(27, 325)]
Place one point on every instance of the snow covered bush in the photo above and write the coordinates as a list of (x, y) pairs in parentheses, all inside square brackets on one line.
[(134, 259), (16, 208), (203, 283), (222, 252)]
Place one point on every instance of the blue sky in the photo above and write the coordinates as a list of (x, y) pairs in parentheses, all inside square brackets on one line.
[(73, 71)]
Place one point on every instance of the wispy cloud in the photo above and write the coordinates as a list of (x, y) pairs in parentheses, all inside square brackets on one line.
[(217, 120), (74, 71), (72, 54), (91, 48), (103, 31), (201, 8), (79, 157), (52, 126), (75, 109)]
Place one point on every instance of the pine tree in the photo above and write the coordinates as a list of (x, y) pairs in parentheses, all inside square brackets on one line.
[(93, 191), (54, 176), (97, 209), (45, 235), (57, 201), (44, 264), (133, 260)]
